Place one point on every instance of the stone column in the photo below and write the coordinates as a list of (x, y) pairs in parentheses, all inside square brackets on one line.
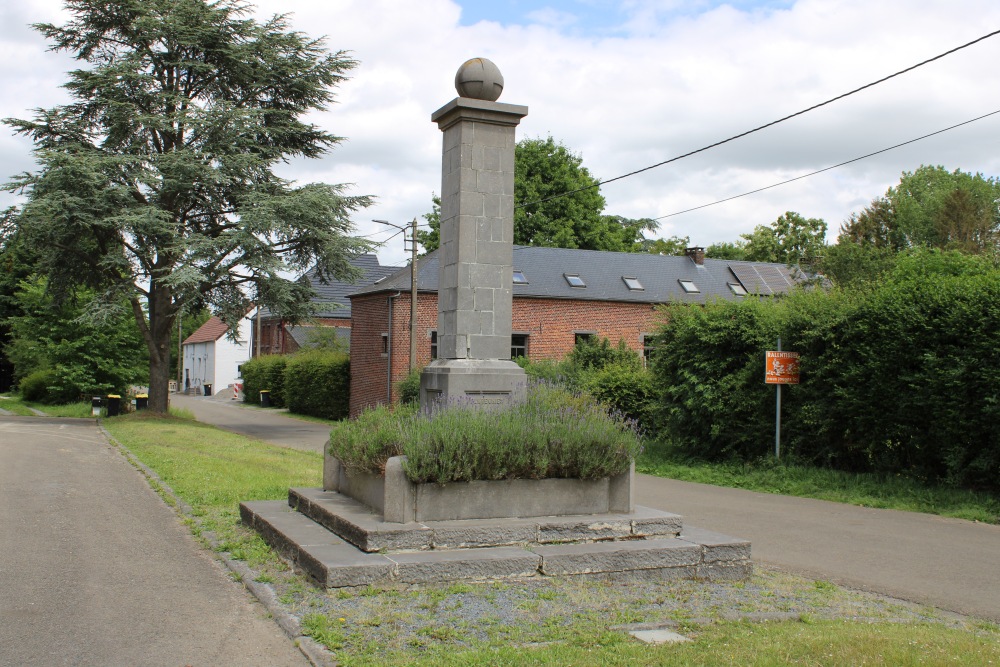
[(475, 287)]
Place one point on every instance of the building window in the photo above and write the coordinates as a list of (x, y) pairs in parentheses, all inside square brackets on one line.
[(582, 337), (385, 344), (689, 286), (574, 280), (633, 284), (519, 278), (434, 345), (518, 345), (648, 341), (737, 289)]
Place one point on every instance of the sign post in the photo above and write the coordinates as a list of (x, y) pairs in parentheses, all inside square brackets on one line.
[(780, 368)]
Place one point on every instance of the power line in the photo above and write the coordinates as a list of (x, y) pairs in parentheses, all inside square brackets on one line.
[(765, 126), (820, 171)]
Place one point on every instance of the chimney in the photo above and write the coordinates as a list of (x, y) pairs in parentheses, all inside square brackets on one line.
[(696, 254)]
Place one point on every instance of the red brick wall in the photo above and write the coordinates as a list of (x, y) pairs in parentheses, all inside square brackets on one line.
[(549, 323)]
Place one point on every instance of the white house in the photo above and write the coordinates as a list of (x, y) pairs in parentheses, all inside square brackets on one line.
[(213, 358)]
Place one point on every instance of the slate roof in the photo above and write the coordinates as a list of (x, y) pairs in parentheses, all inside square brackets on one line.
[(604, 273), (210, 331), (334, 293), (301, 334)]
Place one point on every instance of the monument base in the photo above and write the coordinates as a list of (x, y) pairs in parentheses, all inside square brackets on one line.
[(484, 382)]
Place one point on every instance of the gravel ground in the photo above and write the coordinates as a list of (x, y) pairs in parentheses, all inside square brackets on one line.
[(362, 625)]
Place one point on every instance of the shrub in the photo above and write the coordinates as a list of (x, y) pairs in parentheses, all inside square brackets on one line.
[(409, 387), (265, 373), (555, 433), (35, 386), (317, 383), (625, 389)]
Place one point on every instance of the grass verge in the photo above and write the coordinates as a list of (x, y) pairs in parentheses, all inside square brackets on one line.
[(538, 622), (866, 490)]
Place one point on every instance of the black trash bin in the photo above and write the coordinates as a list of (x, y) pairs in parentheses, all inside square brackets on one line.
[(265, 398), (208, 390), (95, 406), (141, 401), (114, 405)]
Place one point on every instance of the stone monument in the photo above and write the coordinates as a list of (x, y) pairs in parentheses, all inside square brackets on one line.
[(475, 287), (362, 528)]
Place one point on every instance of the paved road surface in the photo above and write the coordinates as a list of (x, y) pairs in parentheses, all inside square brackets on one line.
[(947, 563), (96, 570), (270, 425)]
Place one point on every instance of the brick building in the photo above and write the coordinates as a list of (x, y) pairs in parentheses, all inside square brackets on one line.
[(333, 309), (560, 296)]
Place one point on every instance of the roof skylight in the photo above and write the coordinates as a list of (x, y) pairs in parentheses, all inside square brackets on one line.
[(737, 289), (519, 278), (688, 286), (574, 280), (633, 283)]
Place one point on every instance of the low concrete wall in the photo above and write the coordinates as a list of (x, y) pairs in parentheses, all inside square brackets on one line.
[(402, 501)]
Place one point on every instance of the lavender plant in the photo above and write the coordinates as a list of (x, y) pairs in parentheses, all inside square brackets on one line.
[(555, 433)]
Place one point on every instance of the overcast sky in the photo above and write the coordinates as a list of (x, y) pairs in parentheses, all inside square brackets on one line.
[(626, 84)]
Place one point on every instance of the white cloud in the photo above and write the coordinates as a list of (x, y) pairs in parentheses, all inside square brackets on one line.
[(656, 80)]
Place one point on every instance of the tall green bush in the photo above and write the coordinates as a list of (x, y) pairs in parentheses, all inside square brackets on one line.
[(318, 383), (265, 373), (902, 376)]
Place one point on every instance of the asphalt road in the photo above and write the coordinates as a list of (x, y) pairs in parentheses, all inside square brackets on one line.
[(947, 563), (96, 570)]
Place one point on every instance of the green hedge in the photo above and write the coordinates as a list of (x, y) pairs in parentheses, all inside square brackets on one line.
[(902, 377), (318, 383), (265, 373)]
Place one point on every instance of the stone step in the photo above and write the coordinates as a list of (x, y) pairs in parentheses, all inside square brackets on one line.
[(334, 562), (360, 525)]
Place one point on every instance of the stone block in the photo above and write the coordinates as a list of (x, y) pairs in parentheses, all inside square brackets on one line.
[(599, 527), (400, 493), (617, 556), (510, 498), (649, 522), (734, 571), (621, 496), (474, 533), (717, 547), (331, 469), (340, 565), (478, 564)]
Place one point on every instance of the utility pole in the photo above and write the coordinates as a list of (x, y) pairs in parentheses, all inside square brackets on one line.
[(412, 241)]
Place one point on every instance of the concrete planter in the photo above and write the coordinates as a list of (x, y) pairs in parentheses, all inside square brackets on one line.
[(402, 501)]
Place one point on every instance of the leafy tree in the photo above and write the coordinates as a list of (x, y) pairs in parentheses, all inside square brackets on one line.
[(675, 245), (874, 226), (16, 266), (156, 182), (791, 239), (558, 204), (950, 210), (735, 251), (81, 354)]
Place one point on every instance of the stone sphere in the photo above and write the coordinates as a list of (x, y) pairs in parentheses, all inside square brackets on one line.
[(479, 79)]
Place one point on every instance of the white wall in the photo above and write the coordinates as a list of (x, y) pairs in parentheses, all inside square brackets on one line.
[(215, 363)]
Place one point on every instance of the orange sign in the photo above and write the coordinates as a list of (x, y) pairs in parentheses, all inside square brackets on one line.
[(781, 368)]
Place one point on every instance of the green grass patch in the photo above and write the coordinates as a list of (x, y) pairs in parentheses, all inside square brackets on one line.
[(14, 405), (788, 643), (213, 471), (863, 489)]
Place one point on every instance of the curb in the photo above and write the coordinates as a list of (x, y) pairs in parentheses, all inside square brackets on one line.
[(314, 652)]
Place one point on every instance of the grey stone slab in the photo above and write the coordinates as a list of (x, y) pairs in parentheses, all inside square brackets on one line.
[(733, 571), (491, 563), (597, 527), (650, 522), (357, 524), (717, 547), (617, 556), (661, 636), (483, 533), (339, 565)]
